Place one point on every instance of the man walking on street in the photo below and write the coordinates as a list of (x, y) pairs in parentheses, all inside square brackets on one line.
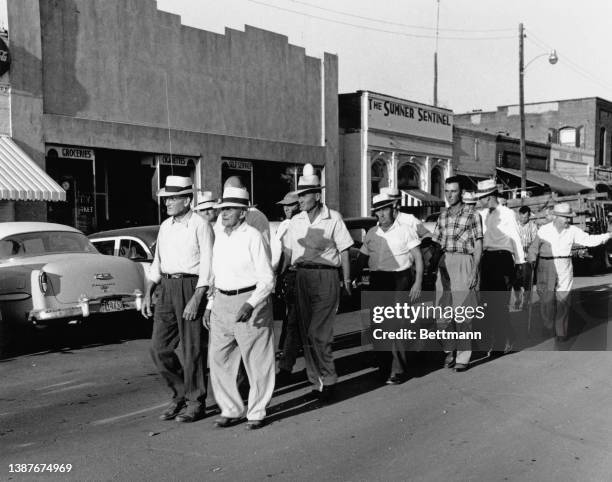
[(390, 249), (502, 250), (290, 340), (182, 264), (318, 242), (552, 248), (205, 208), (459, 234), (524, 272), (239, 315)]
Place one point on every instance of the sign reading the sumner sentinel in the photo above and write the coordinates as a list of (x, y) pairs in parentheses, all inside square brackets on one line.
[(404, 117)]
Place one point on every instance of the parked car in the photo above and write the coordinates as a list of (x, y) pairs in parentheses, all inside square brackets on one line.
[(136, 243), (51, 273)]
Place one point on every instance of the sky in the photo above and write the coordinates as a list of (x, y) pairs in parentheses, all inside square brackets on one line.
[(478, 45)]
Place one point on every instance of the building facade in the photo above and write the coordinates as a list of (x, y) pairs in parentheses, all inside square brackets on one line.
[(387, 141), (110, 97)]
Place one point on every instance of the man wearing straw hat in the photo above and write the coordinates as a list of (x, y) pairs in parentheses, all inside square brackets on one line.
[(459, 234), (390, 249), (405, 218), (182, 264), (239, 314), (502, 250), (206, 207), (318, 242), (552, 248)]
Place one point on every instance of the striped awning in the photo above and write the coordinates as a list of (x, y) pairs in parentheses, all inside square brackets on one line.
[(417, 197), (21, 179)]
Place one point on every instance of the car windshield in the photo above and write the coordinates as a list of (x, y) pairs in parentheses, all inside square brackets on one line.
[(46, 242)]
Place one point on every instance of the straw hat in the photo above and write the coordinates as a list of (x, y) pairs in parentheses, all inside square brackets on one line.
[(234, 197), (486, 187), (563, 209), (469, 197), (177, 186), (207, 202), (392, 192), (382, 200), (289, 199), (309, 181)]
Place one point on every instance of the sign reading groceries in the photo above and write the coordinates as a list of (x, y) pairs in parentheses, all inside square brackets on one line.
[(173, 160), (405, 117), (71, 152)]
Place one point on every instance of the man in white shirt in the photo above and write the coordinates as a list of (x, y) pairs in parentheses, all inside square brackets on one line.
[(318, 243), (502, 250), (552, 248), (390, 249), (405, 218), (239, 314), (182, 264)]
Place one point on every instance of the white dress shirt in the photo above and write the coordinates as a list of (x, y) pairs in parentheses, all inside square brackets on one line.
[(390, 250), (240, 260), (552, 243), (413, 223), (502, 233), (257, 219), (183, 246), (277, 243), (319, 242)]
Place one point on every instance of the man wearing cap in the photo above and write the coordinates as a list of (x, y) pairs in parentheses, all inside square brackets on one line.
[(458, 231), (390, 249), (182, 264), (239, 314), (552, 248), (318, 243), (205, 207), (290, 335)]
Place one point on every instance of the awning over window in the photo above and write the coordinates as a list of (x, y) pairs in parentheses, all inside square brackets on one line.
[(546, 179), (21, 179), (417, 197)]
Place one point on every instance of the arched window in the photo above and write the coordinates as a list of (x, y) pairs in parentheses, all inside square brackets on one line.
[(437, 182), (378, 176), (408, 177)]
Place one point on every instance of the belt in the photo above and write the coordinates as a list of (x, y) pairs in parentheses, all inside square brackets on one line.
[(236, 292), (178, 275), (554, 257), (497, 251), (317, 266)]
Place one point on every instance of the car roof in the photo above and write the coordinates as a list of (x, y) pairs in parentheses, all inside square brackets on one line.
[(18, 227), (147, 233), (360, 222)]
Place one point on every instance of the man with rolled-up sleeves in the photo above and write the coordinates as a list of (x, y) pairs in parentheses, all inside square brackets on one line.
[(182, 265)]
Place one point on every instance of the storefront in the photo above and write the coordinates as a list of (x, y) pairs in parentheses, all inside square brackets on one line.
[(388, 141), (109, 124)]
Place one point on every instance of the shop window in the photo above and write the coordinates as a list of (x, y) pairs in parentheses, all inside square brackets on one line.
[(437, 185), (408, 177), (568, 136)]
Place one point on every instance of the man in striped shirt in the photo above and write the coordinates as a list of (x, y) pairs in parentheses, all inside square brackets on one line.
[(524, 272)]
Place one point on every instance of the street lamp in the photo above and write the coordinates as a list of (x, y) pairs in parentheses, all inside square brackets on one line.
[(552, 58)]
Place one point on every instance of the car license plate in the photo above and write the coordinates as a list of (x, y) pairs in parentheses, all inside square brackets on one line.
[(111, 305)]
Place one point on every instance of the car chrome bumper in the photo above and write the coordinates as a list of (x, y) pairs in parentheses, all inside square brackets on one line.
[(86, 307)]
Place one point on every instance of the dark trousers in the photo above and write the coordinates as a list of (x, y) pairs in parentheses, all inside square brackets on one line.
[(290, 340), (396, 361), (187, 381), (496, 279)]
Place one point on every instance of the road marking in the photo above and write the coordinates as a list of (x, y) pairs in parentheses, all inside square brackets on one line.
[(126, 415), (57, 385), (73, 387)]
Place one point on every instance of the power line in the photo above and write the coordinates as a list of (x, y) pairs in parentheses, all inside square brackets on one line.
[(570, 63), (398, 24), (374, 29)]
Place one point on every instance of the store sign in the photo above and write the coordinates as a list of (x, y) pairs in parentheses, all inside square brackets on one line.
[(241, 165), (404, 117), (5, 57), (68, 152), (168, 160)]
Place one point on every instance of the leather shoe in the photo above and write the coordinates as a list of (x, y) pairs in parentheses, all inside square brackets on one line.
[(449, 361), (191, 414), (254, 424), (460, 367), (224, 422), (394, 379), (172, 410)]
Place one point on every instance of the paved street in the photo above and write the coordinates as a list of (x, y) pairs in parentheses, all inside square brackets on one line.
[(533, 415)]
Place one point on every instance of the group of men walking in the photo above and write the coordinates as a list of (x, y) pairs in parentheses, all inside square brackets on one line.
[(216, 268)]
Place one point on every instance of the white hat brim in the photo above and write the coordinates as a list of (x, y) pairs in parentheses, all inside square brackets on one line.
[(485, 193), (571, 214), (205, 205), (382, 206), (299, 191), (163, 193), (231, 205)]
